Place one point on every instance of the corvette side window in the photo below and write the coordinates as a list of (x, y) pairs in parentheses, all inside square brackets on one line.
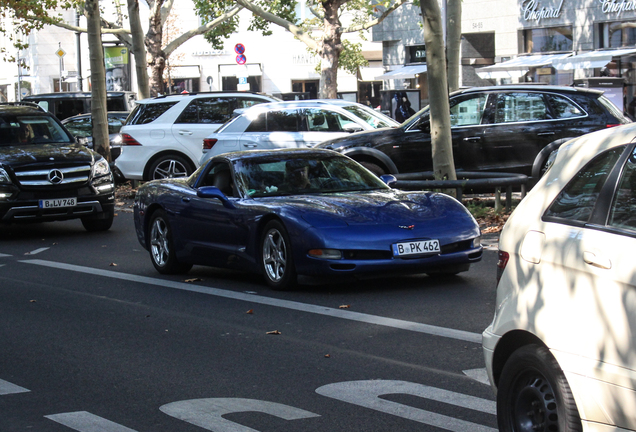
[(577, 200), (623, 211)]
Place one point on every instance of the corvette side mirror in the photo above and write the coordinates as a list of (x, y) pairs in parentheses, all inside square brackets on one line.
[(214, 192)]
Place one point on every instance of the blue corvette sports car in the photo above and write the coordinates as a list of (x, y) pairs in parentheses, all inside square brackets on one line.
[(310, 212)]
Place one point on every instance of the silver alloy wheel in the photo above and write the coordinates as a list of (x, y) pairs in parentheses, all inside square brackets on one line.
[(274, 255), (159, 246), (169, 168)]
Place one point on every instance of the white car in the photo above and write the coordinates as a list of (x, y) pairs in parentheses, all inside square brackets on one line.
[(162, 136), (561, 349), (293, 124)]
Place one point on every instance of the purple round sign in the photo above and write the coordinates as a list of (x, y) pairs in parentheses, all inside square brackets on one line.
[(241, 59)]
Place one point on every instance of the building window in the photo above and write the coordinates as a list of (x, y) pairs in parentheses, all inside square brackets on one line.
[(617, 34), (551, 39)]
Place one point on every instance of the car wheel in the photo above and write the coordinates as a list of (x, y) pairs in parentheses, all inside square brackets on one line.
[(170, 166), (99, 222), (161, 246), (534, 394), (276, 257), (374, 168)]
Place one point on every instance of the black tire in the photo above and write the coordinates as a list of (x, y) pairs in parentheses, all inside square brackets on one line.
[(374, 168), (99, 222), (277, 263), (161, 246), (170, 166), (534, 394)]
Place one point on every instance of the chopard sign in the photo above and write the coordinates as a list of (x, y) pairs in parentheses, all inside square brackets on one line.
[(618, 6), (533, 12)]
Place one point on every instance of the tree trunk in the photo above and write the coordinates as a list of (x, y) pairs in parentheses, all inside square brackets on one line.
[(138, 49), (153, 42), (443, 163), (101, 143), (453, 41), (330, 50)]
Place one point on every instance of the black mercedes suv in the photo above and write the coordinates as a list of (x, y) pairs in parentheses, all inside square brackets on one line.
[(510, 128), (45, 175)]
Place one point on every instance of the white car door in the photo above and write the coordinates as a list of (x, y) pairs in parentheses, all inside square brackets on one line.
[(198, 120)]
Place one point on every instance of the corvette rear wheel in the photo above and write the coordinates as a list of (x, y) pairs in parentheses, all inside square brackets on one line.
[(534, 395), (276, 257), (161, 245)]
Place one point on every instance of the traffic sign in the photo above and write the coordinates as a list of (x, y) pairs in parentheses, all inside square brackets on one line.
[(60, 52), (241, 59), (239, 48)]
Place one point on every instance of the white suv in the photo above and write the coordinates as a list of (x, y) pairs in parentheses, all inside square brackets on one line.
[(163, 135)]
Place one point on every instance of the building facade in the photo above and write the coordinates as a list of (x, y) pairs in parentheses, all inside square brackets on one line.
[(566, 42)]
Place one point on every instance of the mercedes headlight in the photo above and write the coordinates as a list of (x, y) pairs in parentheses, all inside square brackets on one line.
[(101, 168), (4, 177)]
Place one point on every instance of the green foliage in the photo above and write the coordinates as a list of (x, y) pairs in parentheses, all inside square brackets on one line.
[(210, 10)]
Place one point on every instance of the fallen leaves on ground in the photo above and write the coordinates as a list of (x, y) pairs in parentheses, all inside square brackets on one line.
[(193, 280), (273, 332)]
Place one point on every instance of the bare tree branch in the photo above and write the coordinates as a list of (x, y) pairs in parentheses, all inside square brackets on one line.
[(201, 30), (290, 27), (375, 21)]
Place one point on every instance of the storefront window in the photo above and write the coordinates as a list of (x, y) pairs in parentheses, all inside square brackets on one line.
[(618, 34), (545, 40)]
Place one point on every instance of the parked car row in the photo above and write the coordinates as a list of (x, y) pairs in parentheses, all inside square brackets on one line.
[(560, 350)]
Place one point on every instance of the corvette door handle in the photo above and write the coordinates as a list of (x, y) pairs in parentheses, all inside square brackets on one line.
[(545, 133), (250, 145), (184, 132), (185, 199), (597, 261), (472, 139)]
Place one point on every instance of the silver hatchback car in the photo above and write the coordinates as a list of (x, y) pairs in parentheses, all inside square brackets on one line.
[(293, 124)]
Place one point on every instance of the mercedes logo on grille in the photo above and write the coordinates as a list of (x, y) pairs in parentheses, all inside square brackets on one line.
[(56, 176)]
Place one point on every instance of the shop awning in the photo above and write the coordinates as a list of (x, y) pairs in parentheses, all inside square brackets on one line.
[(182, 72), (591, 59), (251, 69), (405, 72), (519, 66)]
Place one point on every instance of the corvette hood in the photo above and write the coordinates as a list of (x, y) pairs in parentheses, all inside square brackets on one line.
[(378, 207)]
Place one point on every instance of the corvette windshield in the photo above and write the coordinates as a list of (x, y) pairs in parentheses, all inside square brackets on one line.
[(303, 175)]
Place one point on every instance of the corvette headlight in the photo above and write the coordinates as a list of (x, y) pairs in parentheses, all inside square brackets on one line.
[(101, 168), (4, 177)]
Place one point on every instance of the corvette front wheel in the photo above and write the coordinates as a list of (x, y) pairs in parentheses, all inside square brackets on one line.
[(276, 257)]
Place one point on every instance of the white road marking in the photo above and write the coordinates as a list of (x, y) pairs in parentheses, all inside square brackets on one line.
[(4, 255), (37, 251), (207, 413), (367, 394), (479, 375), (83, 421), (7, 388), (304, 307)]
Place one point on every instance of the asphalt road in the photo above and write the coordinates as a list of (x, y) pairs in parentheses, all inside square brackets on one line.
[(95, 340)]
